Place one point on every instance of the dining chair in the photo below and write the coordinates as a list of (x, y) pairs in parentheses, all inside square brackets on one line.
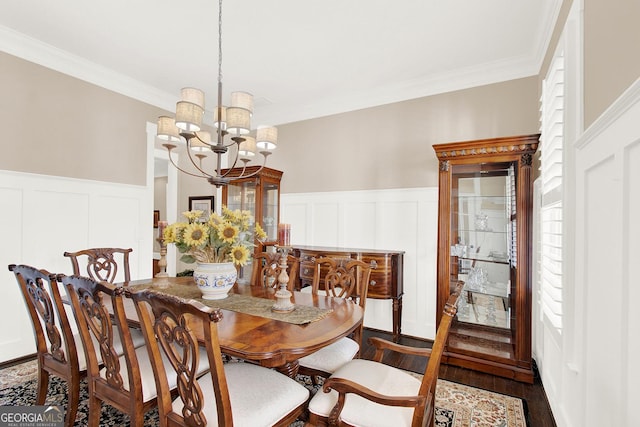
[(371, 393), (340, 278), (266, 269), (54, 333), (101, 264), (242, 394), (122, 379)]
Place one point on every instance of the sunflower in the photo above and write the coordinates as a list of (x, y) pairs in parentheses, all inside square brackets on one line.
[(192, 216), (228, 232), (169, 234), (239, 255), (225, 237), (260, 234), (195, 234)]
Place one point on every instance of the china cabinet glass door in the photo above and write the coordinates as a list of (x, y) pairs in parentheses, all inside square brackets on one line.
[(482, 219)]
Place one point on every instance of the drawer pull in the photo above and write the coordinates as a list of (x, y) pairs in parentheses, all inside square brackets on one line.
[(372, 283), (307, 271)]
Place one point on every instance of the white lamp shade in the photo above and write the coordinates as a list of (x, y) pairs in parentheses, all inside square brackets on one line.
[(238, 121), (167, 130), (247, 148), (242, 100), (267, 138), (193, 95), (201, 142), (188, 116), (222, 112)]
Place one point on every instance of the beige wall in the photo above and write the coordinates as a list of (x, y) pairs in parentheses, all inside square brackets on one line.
[(610, 46), (389, 146), (58, 125), (611, 59)]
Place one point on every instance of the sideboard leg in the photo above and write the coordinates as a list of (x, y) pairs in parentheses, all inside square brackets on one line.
[(397, 318)]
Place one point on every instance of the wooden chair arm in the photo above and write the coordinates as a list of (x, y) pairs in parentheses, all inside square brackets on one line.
[(381, 345), (343, 386)]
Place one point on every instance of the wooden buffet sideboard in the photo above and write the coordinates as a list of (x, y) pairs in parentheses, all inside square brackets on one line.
[(386, 280)]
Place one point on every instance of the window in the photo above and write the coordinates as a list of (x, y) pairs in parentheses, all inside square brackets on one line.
[(552, 139)]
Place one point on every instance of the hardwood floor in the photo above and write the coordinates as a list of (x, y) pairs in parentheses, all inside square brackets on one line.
[(539, 413)]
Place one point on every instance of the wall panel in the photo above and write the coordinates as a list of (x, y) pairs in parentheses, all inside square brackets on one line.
[(44, 216), (600, 373), (631, 290), (403, 220)]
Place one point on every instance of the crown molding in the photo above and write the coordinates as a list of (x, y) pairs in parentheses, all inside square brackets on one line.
[(32, 50), (484, 74)]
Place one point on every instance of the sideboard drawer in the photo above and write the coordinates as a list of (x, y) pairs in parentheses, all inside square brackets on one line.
[(380, 284)]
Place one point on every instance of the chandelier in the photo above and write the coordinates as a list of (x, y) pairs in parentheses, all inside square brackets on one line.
[(233, 120)]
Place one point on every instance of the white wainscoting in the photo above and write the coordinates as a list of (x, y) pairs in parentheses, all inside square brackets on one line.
[(607, 236), (591, 377), (402, 219), (44, 216)]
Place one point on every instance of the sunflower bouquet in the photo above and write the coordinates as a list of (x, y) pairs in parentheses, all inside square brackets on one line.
[(222, 238)]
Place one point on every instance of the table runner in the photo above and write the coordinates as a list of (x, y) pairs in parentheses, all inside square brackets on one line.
[(247, 304)]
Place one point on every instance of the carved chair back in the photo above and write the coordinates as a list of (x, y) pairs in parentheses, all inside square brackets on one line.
[(102, 264), (98, 307), (266, 270), (343, 278), (55, 342), (169, 324)]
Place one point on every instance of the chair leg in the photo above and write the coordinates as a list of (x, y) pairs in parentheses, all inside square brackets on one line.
[(136, 419), (43, 386), (73, 386), (95, 409)]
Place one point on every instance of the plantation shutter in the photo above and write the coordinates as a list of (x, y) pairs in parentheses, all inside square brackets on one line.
[(552, 138)]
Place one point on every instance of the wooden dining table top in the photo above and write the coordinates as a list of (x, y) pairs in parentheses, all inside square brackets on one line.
[(272, 343)]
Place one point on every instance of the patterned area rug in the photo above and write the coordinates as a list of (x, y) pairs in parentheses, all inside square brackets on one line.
[(457, 405)]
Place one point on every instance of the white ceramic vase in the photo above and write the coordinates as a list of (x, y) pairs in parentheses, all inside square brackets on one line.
[(215, 280)]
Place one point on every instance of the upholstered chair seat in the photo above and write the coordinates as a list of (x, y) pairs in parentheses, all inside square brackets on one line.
[(380, 378), (259, 396), (136, 336), (149, 391), (331, 357)]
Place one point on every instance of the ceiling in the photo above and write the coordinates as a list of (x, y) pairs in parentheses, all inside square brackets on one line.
[(300, 58)]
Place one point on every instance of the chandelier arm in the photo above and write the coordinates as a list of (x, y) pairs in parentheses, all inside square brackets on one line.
[(264, 163), (169, 147), (195, 134), (235, 161), (193, 162)]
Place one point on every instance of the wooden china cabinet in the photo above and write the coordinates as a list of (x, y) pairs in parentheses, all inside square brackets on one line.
[(484, 240), (259, 194)]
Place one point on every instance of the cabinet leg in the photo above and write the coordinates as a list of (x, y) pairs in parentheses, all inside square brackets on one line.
[(397, 318)]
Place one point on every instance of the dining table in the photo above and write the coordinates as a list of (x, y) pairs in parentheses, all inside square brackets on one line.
[(251, 330)]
